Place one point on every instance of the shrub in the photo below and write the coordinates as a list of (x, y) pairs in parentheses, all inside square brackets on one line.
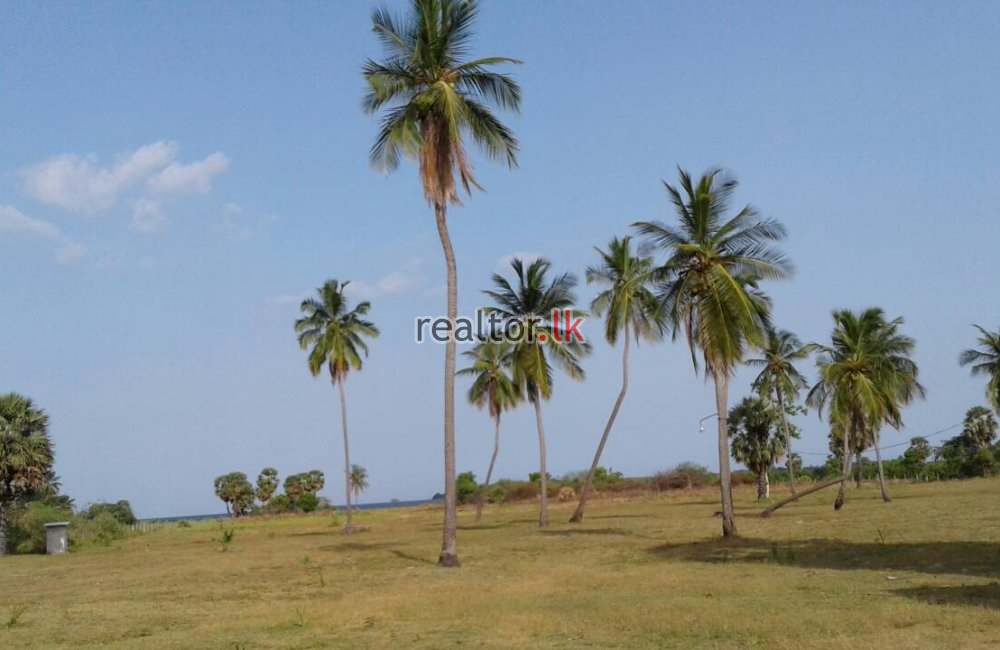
[(278, 504), (466, 488), (523, 492), (27, 530), (683, 476), (497, 493), (121, 510), (566, 493), (308, 502), (102, 529)]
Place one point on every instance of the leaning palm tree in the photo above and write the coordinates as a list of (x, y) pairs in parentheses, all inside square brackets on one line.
[(493, 389), (781, 380), (25, 455), (630, 308), (433, 100), (359, 481), (866, 376), (986, 361), (334, 333), (535, 305), (709, 287)]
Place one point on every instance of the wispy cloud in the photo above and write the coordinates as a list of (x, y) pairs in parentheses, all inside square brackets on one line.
[(16, 224), (147, 217), (78, 184), (193, 178), (147, 176)]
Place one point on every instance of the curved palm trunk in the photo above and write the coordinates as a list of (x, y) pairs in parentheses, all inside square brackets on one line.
[(725, 476), (881, 473), (578, 514), (543, 511), (349, 526), (449, 542), (842, 492), (489, 472), (767, 512), (4, 530), (788, 439)]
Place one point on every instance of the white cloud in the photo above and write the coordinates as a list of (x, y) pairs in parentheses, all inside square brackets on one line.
[(503, 264), (147, 217), (78, 184), (14, 222), (192, 178)]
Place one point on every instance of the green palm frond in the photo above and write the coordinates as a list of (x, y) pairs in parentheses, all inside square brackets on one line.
[(986, 361), (332, 331), (867, 374), (26, 452), (531, 299), (433, 98), (708, 283)]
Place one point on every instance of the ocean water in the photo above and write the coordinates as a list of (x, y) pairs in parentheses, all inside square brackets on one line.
[(359, 506)]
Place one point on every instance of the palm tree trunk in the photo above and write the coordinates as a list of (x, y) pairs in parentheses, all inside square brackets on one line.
[(725, 477), (788, 439), (767, 512), (842, 492), (857, 475), (762, 486), (449, 542), (578, 515), (489, 472), (4, 530), (349, 526), (543, 511), (881, 473)]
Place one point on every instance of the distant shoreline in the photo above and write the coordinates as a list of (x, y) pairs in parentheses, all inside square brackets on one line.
[(382, 505)]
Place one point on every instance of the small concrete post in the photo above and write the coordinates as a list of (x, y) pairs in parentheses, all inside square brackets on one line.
[(57, 537)]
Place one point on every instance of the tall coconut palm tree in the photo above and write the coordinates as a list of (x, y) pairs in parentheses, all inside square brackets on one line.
[(433, 99), (493, 389), (709, 287), (986, 361), (752, 429), (334, 334), (630, 308), (26, 455), (532, 303), (866, 376), (359, 481), (780, 379)]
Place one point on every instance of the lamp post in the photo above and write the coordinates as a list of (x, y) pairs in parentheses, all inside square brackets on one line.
[(701, 422)]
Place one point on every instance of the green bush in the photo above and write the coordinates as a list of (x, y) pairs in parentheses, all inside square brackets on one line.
[(466, 488), (27, 530), (278, 504), (497, 493), (307, 502), (102, 529)]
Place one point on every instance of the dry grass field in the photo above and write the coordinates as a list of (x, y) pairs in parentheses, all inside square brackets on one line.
[(920, 572)]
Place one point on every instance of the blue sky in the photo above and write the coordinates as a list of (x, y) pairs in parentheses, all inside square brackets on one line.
[(174, 177)]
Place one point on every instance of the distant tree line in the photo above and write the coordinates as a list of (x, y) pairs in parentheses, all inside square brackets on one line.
[(242, 498)]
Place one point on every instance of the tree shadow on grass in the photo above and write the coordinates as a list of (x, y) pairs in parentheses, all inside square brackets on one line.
[(481, 526), (974, 595), (413, 558), (355, 546), (959, 558), (568, 532)]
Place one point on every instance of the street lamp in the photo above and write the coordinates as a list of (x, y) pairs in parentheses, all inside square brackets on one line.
[(701, 422)]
